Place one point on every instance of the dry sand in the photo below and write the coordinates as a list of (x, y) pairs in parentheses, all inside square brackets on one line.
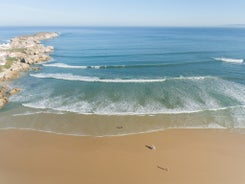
[(181, 157)]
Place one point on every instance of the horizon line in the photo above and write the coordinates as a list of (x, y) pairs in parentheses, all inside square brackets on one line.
[(145, 26)]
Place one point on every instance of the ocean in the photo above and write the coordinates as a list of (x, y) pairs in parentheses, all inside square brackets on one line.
[(121, 80)]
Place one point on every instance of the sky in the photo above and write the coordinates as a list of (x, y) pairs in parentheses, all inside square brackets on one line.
[(121, 12)]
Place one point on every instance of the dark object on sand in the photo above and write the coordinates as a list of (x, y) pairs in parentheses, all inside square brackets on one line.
[(120, 127), (162, 168), (151, 147)]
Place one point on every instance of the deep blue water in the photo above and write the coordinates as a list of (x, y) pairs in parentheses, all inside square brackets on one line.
[(137, 71)]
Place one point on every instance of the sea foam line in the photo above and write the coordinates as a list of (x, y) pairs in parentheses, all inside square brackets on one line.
[(71, 77), (230, 60), (212, 126), (159, 112), (63, 65), (39, 112)]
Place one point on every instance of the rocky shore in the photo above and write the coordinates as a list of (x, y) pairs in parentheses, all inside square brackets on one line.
[(18, 56)]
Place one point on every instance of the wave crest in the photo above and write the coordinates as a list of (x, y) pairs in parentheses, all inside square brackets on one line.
[(71, 77), (62, 65), (230, 60)]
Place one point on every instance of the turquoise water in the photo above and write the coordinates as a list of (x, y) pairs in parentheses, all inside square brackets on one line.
[(138, 71)]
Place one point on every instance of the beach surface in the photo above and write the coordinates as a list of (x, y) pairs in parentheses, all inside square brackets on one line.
[(180, 157)]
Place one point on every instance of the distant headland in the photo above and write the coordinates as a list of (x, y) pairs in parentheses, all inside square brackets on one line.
[(19, 55)]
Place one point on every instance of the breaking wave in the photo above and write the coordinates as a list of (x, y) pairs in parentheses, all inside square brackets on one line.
[(194, 95), (71, 77), (120, 108), (230, 60), (63, 65)]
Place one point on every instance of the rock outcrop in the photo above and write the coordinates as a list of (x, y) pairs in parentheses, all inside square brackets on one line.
[(18, 56), (14, 91), (5, 93), (3, 96)]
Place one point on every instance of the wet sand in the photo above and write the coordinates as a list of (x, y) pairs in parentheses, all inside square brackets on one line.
[(181, 157), (105, 125)]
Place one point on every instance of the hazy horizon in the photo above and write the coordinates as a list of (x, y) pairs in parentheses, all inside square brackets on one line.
[(113, 13)]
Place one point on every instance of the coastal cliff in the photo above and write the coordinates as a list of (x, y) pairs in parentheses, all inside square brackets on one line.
[(18, 56)]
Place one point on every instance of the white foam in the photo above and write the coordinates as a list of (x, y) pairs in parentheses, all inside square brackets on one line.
[(197, 101), (204, 99), (72, 77), (37, 112), (62, 65), (120, 108), (215, 126), (95, 67), (230, 60), (192, 78), (5, 46)]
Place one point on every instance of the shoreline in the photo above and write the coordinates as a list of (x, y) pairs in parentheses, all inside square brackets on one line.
[(99, 125), (235, 130), (172, 156), (18, 56)]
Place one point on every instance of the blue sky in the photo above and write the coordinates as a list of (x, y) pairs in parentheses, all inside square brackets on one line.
[(122, 12)]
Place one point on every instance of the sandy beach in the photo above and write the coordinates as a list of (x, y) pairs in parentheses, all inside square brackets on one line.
[(181, 157)]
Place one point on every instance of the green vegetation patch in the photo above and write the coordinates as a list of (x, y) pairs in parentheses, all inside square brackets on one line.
[(8, 64), (17, 50), (10, 59), (14, 50)]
